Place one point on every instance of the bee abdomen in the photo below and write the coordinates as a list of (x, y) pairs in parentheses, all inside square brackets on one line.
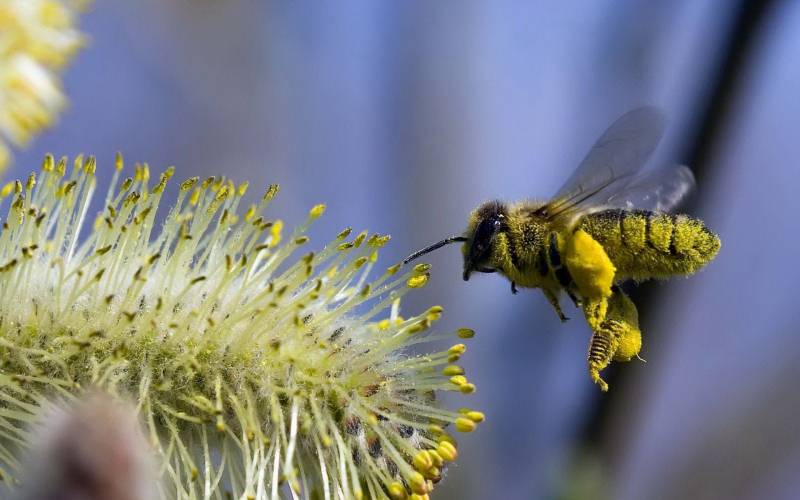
[(681, 236), (646, 244)]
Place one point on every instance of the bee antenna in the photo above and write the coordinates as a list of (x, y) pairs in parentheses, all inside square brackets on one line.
[(440, 244)]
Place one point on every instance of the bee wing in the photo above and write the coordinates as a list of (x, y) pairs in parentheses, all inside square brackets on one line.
[(611, 164), (658, 190)]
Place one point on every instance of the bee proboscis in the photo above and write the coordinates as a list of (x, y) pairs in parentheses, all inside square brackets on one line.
[(608, 224)]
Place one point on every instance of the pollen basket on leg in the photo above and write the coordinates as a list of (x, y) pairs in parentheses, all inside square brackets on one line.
[(261, 366)]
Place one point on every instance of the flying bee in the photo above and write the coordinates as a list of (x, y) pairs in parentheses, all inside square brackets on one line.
[(608, 224)]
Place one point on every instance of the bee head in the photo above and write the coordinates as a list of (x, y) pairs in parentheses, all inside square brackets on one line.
[(485, 223)]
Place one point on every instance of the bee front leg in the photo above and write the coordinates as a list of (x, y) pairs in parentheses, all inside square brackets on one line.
[(575, 299), (553, 299), (514, 288)]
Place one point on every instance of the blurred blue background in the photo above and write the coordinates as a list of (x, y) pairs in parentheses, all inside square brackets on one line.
[(403, 116)]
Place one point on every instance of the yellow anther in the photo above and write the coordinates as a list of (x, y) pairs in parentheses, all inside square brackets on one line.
[(433, 316), (422, 268), (317, 211), (417, 281), (476, 416), (242, 189), (272, 190), (467, 388), (119, 162), (31, 181), (434, 313), (417, 483), (344, 234), (438, 461), (189, 183), (465, 425), (61, 168), (435, 429), (457, 349), (419, 326), (432, 472), (223, 193), (391, 271), (397, 491), (195, 197), (359, 239), (379, 241), (458, 380), (465, 333), (90, 166), (275, 233), (251, 212), (49, 163), (129, 200), (422, 461), (452, 370), (447, 451)]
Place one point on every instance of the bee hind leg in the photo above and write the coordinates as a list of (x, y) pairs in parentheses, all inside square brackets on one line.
[(602, 348), (514, 288), (553, 299), (616, 338)]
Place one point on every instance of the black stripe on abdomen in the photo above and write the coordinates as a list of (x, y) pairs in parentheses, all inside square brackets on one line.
[(560, 271), (563, 277), (541, 262), (555, 257), (673, 220), (647, 230), (512, 250)]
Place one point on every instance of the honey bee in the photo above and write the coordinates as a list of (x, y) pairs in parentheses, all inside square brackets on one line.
[(608, 224)]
